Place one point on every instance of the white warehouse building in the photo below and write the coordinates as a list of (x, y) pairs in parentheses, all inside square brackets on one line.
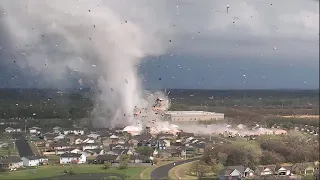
[(193, 116)]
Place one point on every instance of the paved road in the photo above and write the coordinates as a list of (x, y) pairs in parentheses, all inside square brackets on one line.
[(22, 145), (163, 171)]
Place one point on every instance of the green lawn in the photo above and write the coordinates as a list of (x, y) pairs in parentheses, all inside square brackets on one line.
[(50, 171), (5, 151)]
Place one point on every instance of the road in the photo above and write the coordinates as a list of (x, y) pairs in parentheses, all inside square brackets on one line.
[(163, 171), (22, 145)]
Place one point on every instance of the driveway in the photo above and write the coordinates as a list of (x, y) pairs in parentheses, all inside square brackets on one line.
[(163, 171)]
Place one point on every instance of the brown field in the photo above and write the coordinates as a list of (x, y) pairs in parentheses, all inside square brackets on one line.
[(303, 116)]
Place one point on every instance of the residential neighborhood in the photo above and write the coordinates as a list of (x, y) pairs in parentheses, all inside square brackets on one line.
[(60, 146)]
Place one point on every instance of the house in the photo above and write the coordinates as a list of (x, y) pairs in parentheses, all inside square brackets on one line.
[(72, 158), (139, 159), (34, 130), (78, 151), (94, 136), (283, 170), (94, 152), (89, 141), (167, 153), (101, 159), (120, 152), (90, 146), (34, 160), (59, 137), (265, 170), (63, 151), (113, 139), (74, 131), (12, 130), (303, 168), (56, 130), (235, 172), (229, 174), (120, 146), (165, 136), (10, 162), (60, 145), (245, 171)]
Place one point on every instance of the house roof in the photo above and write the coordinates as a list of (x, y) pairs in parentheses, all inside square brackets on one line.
[(225, 172), (114, 137), (93, 150), (240, 168), (139, 157), (120, 151), (35, 157), (10, 159), (142, 137), (65, 155), (106, 157)]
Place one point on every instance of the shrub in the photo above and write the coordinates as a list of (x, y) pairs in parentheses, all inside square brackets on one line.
[(107, 165)]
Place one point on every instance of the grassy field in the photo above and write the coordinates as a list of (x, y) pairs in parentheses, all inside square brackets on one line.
[(10, 150), (51, 171), (179, 172)]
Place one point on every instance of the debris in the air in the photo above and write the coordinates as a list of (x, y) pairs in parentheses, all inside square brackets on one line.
[(126, 81), (89, 10), (94, 26), (275, 48), (228, 8), (90, 39), (169, 40), (126, 21), (17, 104), (34, 114), (93, 65), (160, 79)]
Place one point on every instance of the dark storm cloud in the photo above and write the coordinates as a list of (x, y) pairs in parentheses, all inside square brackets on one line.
[(278, 37)]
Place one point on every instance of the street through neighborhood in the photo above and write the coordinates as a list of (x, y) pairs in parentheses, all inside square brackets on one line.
[(163, 171)]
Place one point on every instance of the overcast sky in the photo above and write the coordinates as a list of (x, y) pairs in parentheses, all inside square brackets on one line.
[(262, 44)]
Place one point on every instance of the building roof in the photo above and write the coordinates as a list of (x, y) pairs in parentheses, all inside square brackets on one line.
[(240, 168), (106, 157), (10, 159), (191, 113), (65, 155), (93, 150), (35, 157)]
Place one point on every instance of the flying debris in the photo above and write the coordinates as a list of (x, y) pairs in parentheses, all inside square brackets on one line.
[(126, 81), (228, 8)]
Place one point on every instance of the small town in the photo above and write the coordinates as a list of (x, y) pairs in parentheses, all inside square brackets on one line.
[(79, 146)]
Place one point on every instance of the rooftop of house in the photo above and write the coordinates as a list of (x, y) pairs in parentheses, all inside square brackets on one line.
[(106, 157), (93, 150), (66, 155), (10, 159), (35, 157)]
